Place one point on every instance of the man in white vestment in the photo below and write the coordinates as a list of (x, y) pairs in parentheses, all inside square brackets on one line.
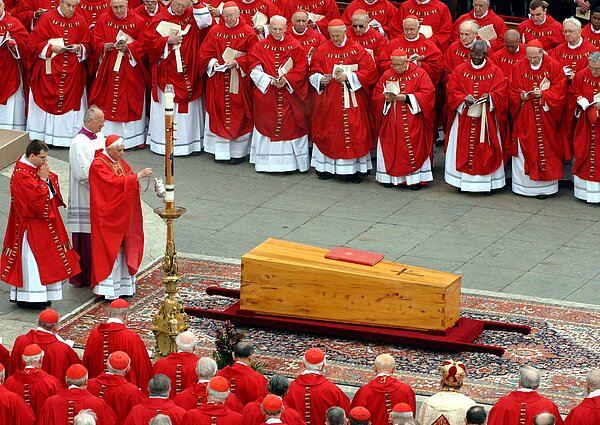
[(81, 155)]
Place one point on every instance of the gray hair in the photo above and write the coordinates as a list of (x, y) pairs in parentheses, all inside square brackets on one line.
[(594, 56), (277, 18), (573, 21), (336, 416), (206, 368), (361, 16), (474, 26), (593, 376), (160, 419), (530, 377), (91, 111), (186, 341), (310, 366), (398, 415), (480, 43), (408, 421), (118, 313), (159, 386), (412, 19), (85, 417), (278, 385), (77, 382), (220, 396), (32, 359)]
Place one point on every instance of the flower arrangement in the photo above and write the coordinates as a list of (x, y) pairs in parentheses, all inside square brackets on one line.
[(225, 339)]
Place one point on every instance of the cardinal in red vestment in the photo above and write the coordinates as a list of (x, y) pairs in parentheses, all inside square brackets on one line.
[(278, 386), (58, 50), (114, 336), (32, 383), (484, 16), (477, 102), (120, 85), (4, 356), (311, 393), (62, 407), (584, 94), (588, 411), (172, 40), (92, 10), (381, 13), (300, 30), (36, 254), (512, 52), (113, 387), (537, 96), (116, 218), (224, 56), (13, 65), (384, 391), (13, 409), (420, 50), (246, 383), (522, 405), (434, 17), (58, 355), (159, 388), (214, 411), (373, 42), (322, 12), (541, 26), (249, 10), (179, 366), (148, 10), (591, 32), (280, 135), (30, 11), (404, 105), (343, 74)]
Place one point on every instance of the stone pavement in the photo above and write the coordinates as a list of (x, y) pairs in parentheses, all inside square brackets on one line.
[(502, 243)]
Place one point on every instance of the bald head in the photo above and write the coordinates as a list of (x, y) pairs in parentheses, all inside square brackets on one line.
[(186, 341), (300, 22), (593, 380), (544, 419), (384, 363), (511, 36)]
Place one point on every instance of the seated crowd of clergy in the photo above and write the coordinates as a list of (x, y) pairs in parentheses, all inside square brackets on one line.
[(44, 380), (267, 79)]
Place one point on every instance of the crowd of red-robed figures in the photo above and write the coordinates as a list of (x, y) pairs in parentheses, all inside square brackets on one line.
[(44, 378)]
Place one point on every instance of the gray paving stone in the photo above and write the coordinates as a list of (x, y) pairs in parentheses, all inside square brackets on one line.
[(452, 246), (371, 205), (205, 213), (553, 231), (571, 262), (586, 293), (268, 223), (512, 253), (487, 277), (301, 197), (389, 239), (328, 231), (428, 213), (545, 285)]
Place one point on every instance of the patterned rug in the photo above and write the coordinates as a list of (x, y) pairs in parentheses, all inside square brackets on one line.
[(564, 342)]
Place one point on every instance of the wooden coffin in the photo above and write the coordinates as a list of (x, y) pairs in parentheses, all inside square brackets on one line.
[(12, 145), (281, 278)]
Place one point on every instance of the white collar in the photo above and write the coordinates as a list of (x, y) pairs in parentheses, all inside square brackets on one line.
[(594, 393), (158, 397), (299, 33), (535, 68), (422, 1), (113, 319), (482, 16), (478, 66), (526, 390), (236, 22), (383, 374), (309, 372), (24, 160), (155, 10), (593, 30), (273, 421), (2, 16), (370, 3), (414, 39), (574, 46), (105, 152)]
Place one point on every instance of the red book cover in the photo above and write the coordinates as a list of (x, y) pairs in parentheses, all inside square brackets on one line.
[(350, 255)]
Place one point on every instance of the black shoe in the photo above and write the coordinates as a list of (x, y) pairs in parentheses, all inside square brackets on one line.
[(415, 186), (488, 193), (542, 197), (236, 161), (197, 153), (388, 185), (34, 306), (221, 161), (355, 178), (324, 175)]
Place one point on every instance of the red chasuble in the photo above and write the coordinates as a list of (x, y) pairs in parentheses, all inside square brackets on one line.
[(422, 46), (406, 139), (576, 58), (116, 216), (312, 394), (107, 338), (474, 156), (309, 41), (119, 94), (180, 368), (246, 383), (455, 55), (195, 395), (117, 392), (590, 35), (142, 12), (586, 413), (343, 132), (279, 114), (34, 385), (62, 408), (434, 13), (149, 408), (538, 130), (506, 60), (377, 44), (230, 113), (380, 395), (520, 407), (327, 8), (92, 10), (253, 415), (248, 10), (32, 210), (549, 33), (58, 356), (58, 88), (12, 69), (212, 414), (25, 9), (14, 410), (490, 18), (382, 11), (587, 134), (189, 83)]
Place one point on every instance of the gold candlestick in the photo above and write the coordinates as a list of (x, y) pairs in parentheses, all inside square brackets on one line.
[(171, 319)]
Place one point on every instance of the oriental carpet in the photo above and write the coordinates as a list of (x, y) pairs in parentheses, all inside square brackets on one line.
[(564, 343)]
